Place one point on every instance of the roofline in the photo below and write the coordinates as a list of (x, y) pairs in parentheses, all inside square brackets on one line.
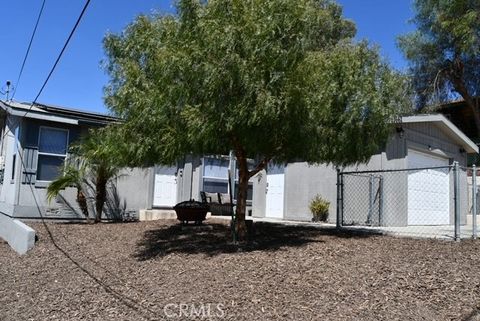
[(468, 144), (447, 105), (59, 114), (75, 111)]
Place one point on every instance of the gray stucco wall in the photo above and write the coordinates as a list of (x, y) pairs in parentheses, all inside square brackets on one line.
[(129, 192), (135, 188), (304, 181)]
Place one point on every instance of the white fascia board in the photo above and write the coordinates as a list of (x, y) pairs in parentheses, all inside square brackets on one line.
[(35, 115)]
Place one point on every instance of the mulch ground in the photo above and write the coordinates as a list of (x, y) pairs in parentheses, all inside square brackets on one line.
[(156, 271)]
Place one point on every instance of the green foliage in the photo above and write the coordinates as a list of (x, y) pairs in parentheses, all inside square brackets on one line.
[(71, 177), (319, 208), (272, 80), (444, 52), (94, 162), (281, 77)]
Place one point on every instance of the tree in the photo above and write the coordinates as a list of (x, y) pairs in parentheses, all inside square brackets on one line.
[(72, 176), (273, 81), (444, 52), (96, 161)]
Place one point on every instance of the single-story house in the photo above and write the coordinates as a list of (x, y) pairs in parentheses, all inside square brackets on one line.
[(192, 175), (284, 192), (42, 134)]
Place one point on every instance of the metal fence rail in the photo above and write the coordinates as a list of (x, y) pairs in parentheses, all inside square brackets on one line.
[(434, 202)]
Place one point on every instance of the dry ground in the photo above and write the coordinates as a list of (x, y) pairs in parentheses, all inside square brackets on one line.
[(138, 271)]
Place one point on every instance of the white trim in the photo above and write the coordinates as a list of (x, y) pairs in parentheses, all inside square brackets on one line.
[(453, 130), (35, 115), (39, 153)]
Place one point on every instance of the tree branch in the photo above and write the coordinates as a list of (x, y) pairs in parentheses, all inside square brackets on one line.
[(259, 167)]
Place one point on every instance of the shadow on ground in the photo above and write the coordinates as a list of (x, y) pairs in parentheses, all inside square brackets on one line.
[(215, 238)]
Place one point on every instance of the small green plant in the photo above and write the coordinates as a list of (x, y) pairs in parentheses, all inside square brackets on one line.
[(319, 208)]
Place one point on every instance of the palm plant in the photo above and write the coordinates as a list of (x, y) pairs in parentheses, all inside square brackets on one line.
[(72, 176), (97, 164)]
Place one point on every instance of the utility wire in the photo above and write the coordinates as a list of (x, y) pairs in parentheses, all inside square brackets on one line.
[(131, 303), (127, 301), (28, 49), (61, 53), (55, 64)]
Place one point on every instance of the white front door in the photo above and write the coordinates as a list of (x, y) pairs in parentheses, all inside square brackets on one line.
[(275, 191), (428, 190), (165, 190)]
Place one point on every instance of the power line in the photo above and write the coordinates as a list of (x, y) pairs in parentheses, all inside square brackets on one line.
[(55, 64), (28, 48), (61, 53)]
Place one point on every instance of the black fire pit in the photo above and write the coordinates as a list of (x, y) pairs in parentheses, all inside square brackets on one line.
[(191, 211)]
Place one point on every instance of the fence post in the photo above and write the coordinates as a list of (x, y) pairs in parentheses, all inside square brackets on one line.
[(456, 194), (371, 199), (339, 199), (380, 199), (474, 202)]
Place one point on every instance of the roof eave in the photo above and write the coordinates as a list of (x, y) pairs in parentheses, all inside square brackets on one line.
[(469, 146)]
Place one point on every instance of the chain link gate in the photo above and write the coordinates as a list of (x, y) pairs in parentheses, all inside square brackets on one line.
[(418, 202)]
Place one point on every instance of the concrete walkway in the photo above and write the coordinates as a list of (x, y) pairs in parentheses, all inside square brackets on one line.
[(445, 232)]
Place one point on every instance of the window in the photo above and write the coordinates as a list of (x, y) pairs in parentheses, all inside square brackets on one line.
[(215, 177), (52, 150)]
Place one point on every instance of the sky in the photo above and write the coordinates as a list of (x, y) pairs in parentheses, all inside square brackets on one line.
[(79, 79)]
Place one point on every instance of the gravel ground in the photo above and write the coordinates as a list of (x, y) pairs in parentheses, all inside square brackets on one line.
[(157, 270)]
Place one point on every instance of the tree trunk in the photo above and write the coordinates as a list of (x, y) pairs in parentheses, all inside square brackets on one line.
[(243, 176), (100, 196), (456, 74), (82, 202), (471, 103)]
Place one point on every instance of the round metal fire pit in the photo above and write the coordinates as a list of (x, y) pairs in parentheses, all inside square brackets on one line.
[(191, 211)]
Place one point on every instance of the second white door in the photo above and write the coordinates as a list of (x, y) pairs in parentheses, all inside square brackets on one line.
[(275, 191)]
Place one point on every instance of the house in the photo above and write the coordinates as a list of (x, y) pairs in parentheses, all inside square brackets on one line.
[(284, 192), (462, 116), (192, 175), (40, 136)]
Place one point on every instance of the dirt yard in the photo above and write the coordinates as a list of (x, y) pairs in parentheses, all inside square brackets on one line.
[(156, 271)]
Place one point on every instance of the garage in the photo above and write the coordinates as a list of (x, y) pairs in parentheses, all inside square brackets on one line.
[(428, 190)]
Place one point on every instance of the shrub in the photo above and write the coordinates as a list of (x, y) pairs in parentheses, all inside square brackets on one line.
[(319, 208)]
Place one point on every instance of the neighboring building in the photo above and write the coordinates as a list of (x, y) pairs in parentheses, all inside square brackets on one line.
[(42, 135), (418, 141), (462, 116)]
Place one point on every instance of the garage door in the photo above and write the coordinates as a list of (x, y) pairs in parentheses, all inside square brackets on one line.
[(428, 190), (165, 190), (275, 191)]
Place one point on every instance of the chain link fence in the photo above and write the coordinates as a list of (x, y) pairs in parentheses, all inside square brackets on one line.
[(433, 202)]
